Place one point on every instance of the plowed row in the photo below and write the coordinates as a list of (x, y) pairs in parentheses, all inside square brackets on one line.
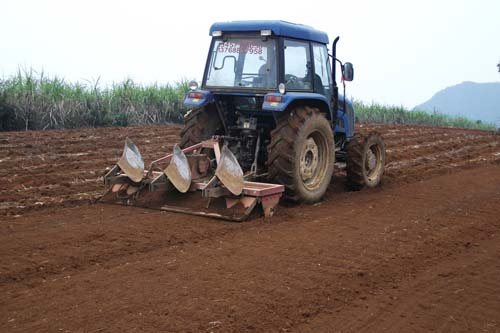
[(65, 168), (419, 253)]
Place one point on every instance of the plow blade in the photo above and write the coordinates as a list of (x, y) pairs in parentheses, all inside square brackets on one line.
[(131, 162), (178, 171), (185, 182), (229, 172)]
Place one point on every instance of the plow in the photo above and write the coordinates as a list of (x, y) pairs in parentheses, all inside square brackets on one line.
[(267, 123), (206, 176)]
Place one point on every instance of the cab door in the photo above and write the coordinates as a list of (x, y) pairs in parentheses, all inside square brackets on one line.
[(322, 71)]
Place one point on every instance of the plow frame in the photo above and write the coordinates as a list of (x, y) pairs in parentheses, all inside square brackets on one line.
[(252, 193)]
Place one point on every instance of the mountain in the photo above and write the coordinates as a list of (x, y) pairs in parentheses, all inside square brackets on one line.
[(476, 101)]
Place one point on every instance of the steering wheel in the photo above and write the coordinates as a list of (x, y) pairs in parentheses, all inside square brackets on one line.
[(292, 81), (245, 83)]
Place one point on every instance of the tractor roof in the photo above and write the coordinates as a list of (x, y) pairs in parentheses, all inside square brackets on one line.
[(279, 28)]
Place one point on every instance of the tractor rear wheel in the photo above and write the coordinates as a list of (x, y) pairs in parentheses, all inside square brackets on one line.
[(365, 161), (200, 124), (301, 154)]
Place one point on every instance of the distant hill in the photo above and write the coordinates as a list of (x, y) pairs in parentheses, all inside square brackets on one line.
[(476, 101)]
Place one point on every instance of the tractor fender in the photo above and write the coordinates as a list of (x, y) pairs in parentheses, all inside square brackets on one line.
[(345, 118), (203, 97), (292, 99)]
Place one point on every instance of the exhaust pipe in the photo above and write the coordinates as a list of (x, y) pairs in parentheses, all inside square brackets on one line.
[(335, 90)]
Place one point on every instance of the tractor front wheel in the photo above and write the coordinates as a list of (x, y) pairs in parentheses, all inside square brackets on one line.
[(365, 162), (301, 154)]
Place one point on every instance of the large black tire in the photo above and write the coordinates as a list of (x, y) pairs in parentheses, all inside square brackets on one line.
[(365, 161), (200, 124), (301, 154)]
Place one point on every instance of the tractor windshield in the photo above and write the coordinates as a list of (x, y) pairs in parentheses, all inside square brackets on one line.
[(243, 62)]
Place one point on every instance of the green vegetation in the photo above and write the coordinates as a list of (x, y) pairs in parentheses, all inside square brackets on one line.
[(33, 101), (376, 113)]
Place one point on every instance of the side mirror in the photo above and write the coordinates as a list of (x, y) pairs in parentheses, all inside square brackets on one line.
[(348, 72)]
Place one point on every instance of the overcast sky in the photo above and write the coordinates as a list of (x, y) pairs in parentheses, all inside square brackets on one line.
[(403, 51)]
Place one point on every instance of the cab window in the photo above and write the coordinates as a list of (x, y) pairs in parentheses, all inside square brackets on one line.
[(322, 71), (243, 62), (297, 65)]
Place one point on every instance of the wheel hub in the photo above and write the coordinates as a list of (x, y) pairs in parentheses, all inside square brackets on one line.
[(309, 159), (371, 160)]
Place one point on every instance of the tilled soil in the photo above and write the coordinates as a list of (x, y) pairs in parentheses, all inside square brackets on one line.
[(420, 253), (47, 169)]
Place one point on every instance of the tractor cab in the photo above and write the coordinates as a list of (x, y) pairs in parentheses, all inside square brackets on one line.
[(258, 56), (258, 68)]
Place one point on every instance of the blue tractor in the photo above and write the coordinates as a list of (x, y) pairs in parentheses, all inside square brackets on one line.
[(270, 89), (267, 120)]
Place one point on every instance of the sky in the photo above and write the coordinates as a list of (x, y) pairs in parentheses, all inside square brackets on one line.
[(403, 51)]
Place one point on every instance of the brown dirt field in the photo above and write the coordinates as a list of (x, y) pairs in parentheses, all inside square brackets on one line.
[(420, 253)]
